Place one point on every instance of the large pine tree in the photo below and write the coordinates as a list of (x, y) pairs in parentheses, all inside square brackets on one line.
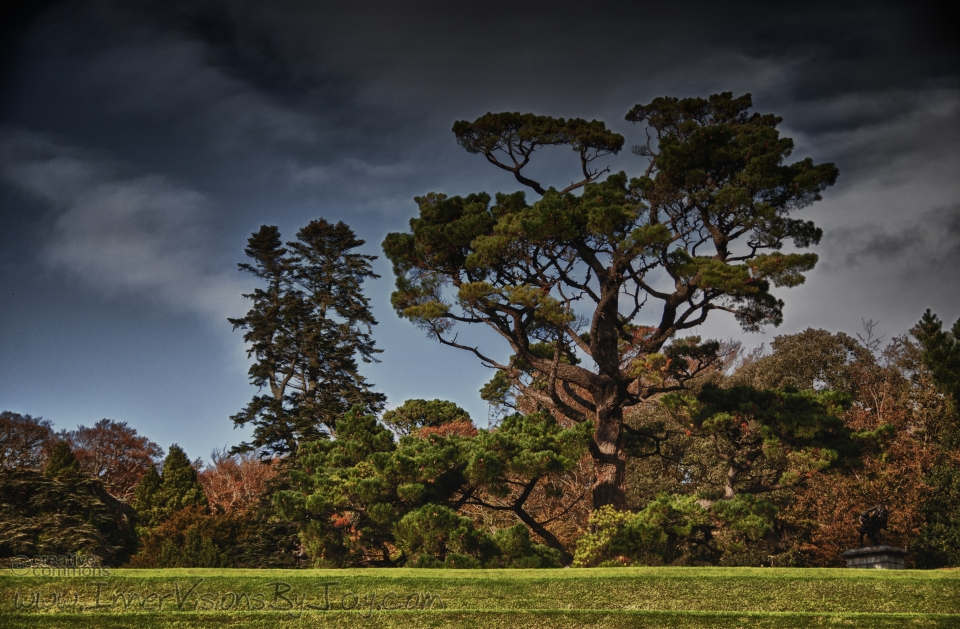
[(593, 291), (306, 328)]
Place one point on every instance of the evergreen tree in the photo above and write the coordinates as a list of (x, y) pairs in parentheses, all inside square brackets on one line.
[(941, 353), (181, 488), (938, 544), (145, 497), (194, 551), (62, 462), (351, 494), (61, 512), (767, 440), (158, 496), (415, 414), (306, 328)]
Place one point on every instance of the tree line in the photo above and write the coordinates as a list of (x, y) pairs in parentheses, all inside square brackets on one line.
[(619, 440)]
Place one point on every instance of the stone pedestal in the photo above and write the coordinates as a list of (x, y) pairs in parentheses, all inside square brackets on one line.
[(879, 557)]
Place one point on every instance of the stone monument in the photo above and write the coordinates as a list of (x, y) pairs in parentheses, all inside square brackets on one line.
[(877, 554)]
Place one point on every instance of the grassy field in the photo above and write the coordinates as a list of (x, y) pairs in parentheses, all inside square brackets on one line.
[(514, 599)]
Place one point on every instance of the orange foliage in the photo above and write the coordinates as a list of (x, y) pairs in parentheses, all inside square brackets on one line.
[(828, 506), (461, 428), (114, 453), (236, 483)]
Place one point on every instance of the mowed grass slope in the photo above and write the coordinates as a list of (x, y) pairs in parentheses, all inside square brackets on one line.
[(514, 599)]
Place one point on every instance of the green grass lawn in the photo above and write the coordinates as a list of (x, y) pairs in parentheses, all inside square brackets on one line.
[(513, 599)]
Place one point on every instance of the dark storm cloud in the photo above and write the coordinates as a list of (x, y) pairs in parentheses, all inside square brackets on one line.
[(384, 80), (566, 50), (946, 221), (353, 101), (876, 244), (378, 81), (297, 47)]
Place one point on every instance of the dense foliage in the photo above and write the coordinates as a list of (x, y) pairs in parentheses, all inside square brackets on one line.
[(157, 497), (870, 432), (365, 499), (938, 540), (218, 518)]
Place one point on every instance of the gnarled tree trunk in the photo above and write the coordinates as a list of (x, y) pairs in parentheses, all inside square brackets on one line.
[(609, 458)]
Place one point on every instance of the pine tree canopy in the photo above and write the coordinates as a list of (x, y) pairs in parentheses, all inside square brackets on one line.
[(592, 290), (941, 352)]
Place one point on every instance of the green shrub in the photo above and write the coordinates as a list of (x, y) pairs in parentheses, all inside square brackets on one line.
[(678, 530)]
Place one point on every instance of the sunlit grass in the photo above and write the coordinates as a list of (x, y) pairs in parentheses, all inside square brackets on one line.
[(613, 597)]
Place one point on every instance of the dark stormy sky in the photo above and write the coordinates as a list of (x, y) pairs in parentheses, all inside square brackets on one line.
[(142, 142)]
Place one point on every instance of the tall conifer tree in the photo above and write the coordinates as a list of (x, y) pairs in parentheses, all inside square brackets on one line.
[(160, 496), (306, 328), (938, 544)]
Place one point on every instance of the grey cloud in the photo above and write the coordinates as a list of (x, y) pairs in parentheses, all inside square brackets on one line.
[(116, 231), (563, 48), (945, 221), (928, 241), (836, 72), (317, 83), (872, 243), (167, 80)]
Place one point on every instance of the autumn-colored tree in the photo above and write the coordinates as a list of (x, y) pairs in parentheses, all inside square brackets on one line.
[(236, 483), (115, 453), (894, 398), (25, 441)]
